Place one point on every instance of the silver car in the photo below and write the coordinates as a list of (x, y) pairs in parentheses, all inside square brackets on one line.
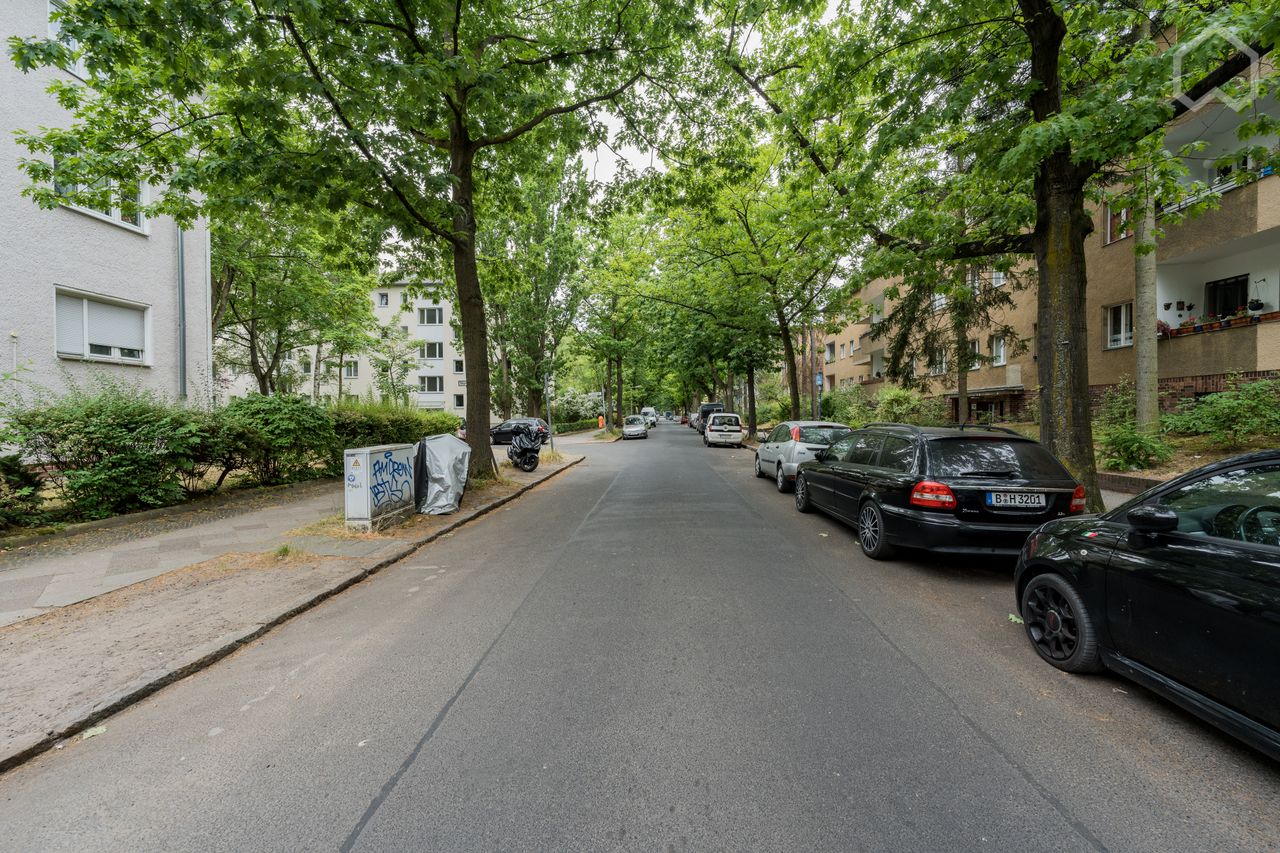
[(634, 427), (789, 444)]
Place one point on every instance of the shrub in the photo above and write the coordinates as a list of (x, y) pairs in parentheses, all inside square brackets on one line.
[(20, 501), (279, 438), (571, 405), (1119, 406), (369, 424), (850, 406), (1126, 448), (106, 451), (1245, 409), (574, 426), (901, 405)]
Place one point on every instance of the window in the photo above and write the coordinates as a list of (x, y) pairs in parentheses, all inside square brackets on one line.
[(404, 329), (997, 278), (458, 366), (404, 297), (431, 349), (997, 350), (1117, 224), (939, 301), (898, 454), (120, 205), (77, 66), (459, 402), (351, 369), (938, 364), (1120, 325), (853, 345), (1239, 504), (430, 316), (831, 352), (865, 449), (838, 451), (304, 364), (431, 384), (1224, 297), (842, 350), (384, 299), (975, 358), (100, 330)]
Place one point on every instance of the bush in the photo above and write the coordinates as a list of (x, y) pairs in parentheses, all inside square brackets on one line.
[(1126, 448), (20, 501), (850, 406), (1119, 406), (279, 438), (903, 406), (571, 405), (370, 424), (1245, 409), (106, 451), (574, 426)]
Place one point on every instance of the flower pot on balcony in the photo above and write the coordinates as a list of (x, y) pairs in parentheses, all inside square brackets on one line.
[(1256, 305), (1198, 327), (1255, 319)]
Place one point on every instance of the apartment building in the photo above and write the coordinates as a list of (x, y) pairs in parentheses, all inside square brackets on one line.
[(1217, 284), (88, 293)]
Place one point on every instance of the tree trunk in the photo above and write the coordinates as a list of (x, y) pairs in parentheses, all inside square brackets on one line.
[(608, 390), (535, 403), (1146, 367), (1066, 427), (789, 359), (315, 372), (505, 398), (815, 411), (621, 380), (475, 335), (963, 359), (751, 401)]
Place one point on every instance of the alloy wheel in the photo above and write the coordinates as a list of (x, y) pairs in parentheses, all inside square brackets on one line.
[(1051, 622), (781, 479), (869, 528)]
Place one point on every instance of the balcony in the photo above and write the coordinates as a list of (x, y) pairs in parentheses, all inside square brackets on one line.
[(428, 399), (1244, 346)]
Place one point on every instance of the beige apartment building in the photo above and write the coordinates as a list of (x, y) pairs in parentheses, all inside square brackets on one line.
[(1217, 283)]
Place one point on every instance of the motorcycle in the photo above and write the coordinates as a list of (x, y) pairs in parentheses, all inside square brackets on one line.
[(524, 447)]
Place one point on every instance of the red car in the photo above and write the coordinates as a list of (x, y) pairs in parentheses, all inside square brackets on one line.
[(684, 419)]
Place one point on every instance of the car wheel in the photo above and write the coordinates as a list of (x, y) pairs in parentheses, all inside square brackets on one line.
[(780, 479), (871, 532), (1059, 625), (759, 473), (803, 504)]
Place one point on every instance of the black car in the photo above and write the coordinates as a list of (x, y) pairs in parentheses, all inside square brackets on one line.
[(705, 411), (503, 432), (1178, 589), (966, 490)]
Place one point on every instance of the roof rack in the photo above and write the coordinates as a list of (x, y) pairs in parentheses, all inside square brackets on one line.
[(911, 427), (991, 427)]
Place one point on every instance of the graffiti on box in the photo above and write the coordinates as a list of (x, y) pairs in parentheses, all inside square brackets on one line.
[(390, 481)]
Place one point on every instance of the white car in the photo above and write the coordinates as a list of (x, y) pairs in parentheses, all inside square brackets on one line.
[(650, 415), (723, 428), (789, 444), (634, 427)]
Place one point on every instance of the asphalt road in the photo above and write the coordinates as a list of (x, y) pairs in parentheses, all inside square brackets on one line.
[(653, 651)]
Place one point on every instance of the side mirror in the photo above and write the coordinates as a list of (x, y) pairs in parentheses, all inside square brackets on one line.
[(1150, 518)]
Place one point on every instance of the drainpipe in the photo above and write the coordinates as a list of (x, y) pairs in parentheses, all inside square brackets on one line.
[(182, 316)]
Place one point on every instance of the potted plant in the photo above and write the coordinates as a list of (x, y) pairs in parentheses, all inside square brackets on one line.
[(1256, 304), (1192, 323), (1162, 329)]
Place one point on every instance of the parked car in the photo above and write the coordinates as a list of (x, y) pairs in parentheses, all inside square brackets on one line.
[(634, 426), (669, 416), (790, 443), (704, 411), (684, 419), (724, 428), (694, 422), (650, 416), (955, 490), (1177, 589), (503, 432)]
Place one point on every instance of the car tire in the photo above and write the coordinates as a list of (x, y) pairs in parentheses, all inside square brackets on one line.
[(1059, 625), (803, 503), (871, 532), (759, 473), (780, 480)]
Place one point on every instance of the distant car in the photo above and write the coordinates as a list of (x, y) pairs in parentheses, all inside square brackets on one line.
[(723, 428), (503, 432), (790, 443), (670, 416), (704, 411), (1178, 590), (635, 427), (684, 419), (650, 415), (695, 423), (961, 491)]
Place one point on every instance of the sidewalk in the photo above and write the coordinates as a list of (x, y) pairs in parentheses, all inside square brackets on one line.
[(109, 622)]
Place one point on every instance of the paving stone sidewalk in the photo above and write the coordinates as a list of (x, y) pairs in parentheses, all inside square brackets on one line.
[(113, 624)]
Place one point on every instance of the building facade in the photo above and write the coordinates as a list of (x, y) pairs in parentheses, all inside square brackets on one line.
[(88, 294), (1217, 286)]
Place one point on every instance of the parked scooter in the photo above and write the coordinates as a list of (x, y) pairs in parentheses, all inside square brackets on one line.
[(524, 447)]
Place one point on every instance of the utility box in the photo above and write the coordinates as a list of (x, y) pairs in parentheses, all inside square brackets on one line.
[(378, 483)]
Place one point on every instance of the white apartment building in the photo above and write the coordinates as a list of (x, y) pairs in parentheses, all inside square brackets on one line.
[(437, 374), (87, 293)]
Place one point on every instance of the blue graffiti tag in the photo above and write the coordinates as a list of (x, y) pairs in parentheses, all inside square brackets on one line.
[(390, 480)]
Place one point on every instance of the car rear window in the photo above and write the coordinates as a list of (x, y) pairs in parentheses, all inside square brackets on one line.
[(959, 457), (821, 434), (724, 420)]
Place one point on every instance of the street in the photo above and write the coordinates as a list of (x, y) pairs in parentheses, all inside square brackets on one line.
[(653, 651)]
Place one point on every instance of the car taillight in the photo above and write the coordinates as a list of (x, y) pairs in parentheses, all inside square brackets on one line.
[(931, 495), (1078, 499), (795, 433)]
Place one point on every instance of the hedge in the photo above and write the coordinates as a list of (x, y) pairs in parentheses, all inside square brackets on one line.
[(117, 449), (576, 426)]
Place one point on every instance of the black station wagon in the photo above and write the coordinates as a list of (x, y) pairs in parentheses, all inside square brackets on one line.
[(966, 490)]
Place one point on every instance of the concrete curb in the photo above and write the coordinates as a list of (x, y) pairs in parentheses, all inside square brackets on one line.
[(215, 651), (221, 499)]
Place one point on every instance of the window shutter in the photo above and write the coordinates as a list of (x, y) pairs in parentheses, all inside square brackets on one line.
[(70, 324), (116, 326)]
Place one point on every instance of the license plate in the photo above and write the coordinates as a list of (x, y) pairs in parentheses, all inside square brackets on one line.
[(1016, 500)]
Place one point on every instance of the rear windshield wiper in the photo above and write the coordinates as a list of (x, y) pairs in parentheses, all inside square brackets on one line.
[(1005, 473)]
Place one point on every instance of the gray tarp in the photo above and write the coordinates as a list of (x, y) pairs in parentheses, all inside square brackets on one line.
[(441, 473)]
